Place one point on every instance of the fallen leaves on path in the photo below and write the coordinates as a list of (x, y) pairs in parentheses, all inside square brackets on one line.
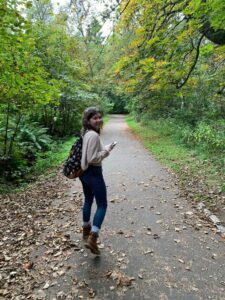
[(120, 278)]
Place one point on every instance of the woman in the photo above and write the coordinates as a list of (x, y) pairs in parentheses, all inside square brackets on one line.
[(92, 179)]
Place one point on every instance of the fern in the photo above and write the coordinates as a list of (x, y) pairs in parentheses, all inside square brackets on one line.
[(33, 137)]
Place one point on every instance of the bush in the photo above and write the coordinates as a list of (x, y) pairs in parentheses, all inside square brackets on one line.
[(166, 127), (30, 138), (33, 137), (208, 135)]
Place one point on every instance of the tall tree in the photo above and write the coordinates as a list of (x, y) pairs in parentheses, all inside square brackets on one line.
[(24, 83), (168, 44)]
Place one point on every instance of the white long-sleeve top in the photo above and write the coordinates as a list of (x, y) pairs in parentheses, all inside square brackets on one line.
[(93, 151)]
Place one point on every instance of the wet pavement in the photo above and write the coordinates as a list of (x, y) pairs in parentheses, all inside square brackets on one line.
[(153, 244)]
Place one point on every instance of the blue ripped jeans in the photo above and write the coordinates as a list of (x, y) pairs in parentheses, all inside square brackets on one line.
[(94, 187)]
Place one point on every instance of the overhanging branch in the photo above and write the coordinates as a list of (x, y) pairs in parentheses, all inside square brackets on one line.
[(184, 80)]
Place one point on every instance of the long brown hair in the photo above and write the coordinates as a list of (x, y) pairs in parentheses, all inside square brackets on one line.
[(87, 115)]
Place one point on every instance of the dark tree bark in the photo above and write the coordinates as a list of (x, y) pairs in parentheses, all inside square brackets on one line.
[(215, 36)]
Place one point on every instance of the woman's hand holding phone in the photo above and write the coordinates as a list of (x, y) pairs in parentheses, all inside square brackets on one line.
[(110, 146)]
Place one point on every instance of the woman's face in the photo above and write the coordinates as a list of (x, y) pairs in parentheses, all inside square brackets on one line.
[(96, 122)]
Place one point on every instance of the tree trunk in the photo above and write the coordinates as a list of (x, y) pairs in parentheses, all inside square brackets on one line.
[(14, 134), (6, 131)]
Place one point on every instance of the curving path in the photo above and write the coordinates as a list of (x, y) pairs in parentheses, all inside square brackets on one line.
[(154, 246)]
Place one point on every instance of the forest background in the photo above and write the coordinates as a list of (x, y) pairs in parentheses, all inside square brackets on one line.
[(163, 62)]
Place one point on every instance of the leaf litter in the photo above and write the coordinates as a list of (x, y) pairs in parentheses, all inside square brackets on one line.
[(35, 245)]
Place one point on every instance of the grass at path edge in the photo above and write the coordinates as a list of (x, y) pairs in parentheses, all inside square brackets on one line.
[(197, 175)]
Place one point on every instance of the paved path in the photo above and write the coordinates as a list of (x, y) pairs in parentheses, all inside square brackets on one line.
[(153, 246)]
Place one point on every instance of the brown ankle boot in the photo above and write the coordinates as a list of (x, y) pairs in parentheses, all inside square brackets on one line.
[(92, 243), (86, 232)]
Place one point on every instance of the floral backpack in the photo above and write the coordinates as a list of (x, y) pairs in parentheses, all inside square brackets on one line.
[(72, 166)]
